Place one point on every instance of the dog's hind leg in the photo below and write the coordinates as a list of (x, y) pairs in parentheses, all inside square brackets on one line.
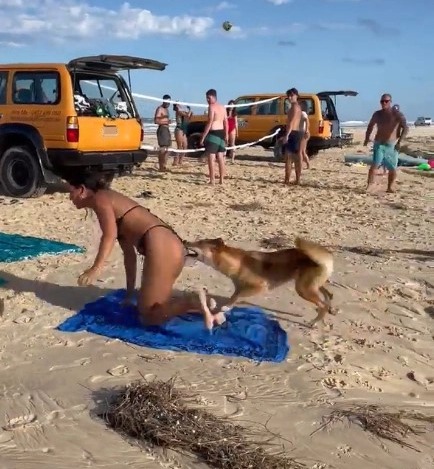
[(327, 294), (312, 293), (328, 297)]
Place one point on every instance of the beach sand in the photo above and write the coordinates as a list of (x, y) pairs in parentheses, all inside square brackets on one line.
[(379, 349)]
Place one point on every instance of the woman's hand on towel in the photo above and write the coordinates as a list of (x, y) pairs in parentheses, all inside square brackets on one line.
[(88, 276)]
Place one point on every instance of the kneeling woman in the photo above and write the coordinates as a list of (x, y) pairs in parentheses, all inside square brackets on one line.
[(136, 229)]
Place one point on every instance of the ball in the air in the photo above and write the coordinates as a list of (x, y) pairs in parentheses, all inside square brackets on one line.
[(227, 25)]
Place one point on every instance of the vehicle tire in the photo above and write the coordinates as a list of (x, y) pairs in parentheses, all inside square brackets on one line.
[(278, 151), (194, 142), (20, 174)]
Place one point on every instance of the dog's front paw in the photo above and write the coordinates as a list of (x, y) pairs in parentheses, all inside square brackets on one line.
[(225, 309), (212, 304)]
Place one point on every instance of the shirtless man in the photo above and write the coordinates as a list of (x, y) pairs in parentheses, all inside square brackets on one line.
[(292, 138), (392, 128), (164, 138), (215, 136)]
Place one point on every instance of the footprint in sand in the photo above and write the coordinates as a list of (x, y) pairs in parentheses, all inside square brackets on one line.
[(55, 415), (76, 363), (118, 370), (97, 379), (22, 320), (333, 383)]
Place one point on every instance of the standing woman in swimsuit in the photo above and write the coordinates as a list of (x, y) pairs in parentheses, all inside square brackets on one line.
[(136, 229), (305, 132), (232, 129), (181, 115)]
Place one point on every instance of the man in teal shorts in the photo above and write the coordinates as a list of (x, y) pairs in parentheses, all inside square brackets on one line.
[(392, 128)]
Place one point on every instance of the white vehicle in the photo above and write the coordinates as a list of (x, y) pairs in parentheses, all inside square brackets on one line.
[(423, 121)]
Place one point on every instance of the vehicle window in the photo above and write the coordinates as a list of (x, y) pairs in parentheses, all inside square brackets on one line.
[(101, 95), (3, 85), (328, 110), (310, 106), (244, 111), (267, 109), (36, 88)]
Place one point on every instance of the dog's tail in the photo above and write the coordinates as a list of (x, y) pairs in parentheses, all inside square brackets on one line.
[(318, 254)]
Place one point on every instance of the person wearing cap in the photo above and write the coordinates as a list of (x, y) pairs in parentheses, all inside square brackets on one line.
[(293, 136), (164, 137)]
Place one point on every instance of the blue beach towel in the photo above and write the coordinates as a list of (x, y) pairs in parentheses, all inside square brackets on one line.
[(14, 247), (248, 332)]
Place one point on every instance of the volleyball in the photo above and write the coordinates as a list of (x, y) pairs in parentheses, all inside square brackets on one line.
[(227, 25)]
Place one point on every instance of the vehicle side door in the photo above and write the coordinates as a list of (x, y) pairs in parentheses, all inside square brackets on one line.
[(36, 101), (267, 116), (244, 117), (3, 96)]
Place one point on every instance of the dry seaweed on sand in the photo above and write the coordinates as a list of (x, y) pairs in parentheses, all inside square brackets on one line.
[(158, 413), (385, 425)]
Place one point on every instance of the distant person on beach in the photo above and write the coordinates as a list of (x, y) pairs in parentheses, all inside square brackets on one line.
[(232, 129), (392, 128), (164, 138), (138, 231), (292, 138), (305, 131), (215, 136), (182, 115)]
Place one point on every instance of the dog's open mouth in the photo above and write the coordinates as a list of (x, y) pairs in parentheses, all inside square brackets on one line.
[(191, 252)]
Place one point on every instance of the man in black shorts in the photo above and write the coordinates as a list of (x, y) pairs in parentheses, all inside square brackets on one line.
[(293, 137), (164, 138)]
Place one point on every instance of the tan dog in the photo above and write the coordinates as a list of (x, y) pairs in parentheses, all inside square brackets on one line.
[(253, 272)]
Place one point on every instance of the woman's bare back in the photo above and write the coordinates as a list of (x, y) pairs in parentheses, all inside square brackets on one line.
[(133, 219)]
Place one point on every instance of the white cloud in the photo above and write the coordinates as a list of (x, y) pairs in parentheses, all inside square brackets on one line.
[(11, 44), (59, 21), (224, 6), (279, 2)]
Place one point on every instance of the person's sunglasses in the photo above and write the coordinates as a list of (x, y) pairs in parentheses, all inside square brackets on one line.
[(385, 101)]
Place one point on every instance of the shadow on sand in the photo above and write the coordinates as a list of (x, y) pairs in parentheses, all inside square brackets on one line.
[(75, 297)]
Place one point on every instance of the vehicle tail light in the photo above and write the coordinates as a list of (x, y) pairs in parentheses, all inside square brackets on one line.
[(142, 134), (321, 127), (72, 130)]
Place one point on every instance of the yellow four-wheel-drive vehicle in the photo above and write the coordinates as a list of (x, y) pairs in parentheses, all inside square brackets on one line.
[(258, 120), (55, 116)]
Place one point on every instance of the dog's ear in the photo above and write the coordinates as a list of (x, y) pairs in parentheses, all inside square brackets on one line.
[(220, 242)]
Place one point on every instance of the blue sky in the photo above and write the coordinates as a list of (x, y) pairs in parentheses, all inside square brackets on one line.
[(371, 46)]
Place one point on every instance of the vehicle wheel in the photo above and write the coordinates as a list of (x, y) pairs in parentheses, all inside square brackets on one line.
[(194, 142), (20, 174), (278, 151)]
